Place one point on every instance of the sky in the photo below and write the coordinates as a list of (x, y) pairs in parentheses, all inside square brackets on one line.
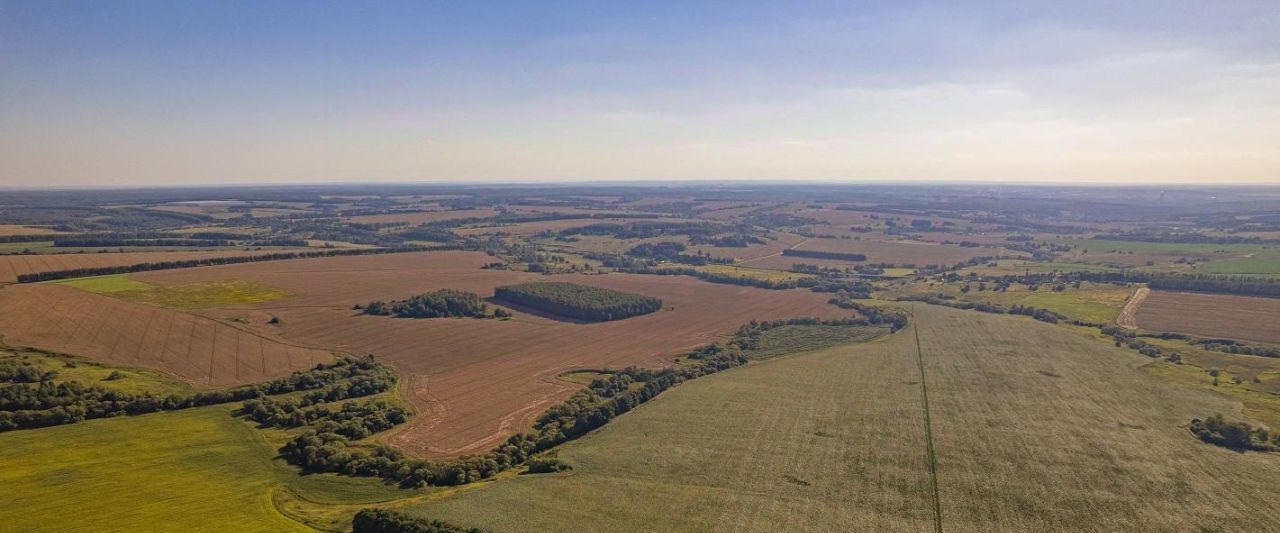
[(118, 93)]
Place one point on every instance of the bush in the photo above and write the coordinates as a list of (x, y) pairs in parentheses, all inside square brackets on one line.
[(547, 465), (387, 521)]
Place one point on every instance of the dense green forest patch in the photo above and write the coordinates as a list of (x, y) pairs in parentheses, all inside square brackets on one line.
[(582, 302)]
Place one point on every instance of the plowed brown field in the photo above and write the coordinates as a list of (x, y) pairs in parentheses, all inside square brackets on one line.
[(197, 349), (474, 382), (1211, 315)]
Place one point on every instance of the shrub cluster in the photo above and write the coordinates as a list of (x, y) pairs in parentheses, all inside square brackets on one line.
[(1234, 435), (387, 521), (582, 302)]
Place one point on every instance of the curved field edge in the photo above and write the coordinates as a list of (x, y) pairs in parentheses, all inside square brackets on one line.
[(1036, 426)]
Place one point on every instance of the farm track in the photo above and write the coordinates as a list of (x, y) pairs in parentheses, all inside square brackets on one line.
[(1128, 317)]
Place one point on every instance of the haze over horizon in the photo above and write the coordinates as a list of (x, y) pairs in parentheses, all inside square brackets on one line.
[(165, 93)]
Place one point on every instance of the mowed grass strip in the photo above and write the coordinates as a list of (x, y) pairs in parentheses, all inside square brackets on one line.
[(200, 295), (192, 470)]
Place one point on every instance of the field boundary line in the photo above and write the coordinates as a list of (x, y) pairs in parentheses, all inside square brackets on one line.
[(928, 430)]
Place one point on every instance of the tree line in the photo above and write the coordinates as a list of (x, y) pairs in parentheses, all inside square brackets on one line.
[(210, 261), (1043, 315), (50, 403), (582, 302), (101, 243), (816, 254)]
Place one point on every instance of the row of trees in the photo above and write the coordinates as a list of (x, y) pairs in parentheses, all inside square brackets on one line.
[(208, 261), (582, 302), (435, 304), (816, 254), (1043, 315), (1211, 283), (49, 403), (98, 243)]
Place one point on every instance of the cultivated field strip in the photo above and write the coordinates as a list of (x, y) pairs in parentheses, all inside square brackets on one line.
[(199, 350), (11, 266), (1211, 315), (478, 381)]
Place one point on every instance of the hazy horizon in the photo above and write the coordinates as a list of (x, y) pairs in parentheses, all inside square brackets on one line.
[(204, 93)]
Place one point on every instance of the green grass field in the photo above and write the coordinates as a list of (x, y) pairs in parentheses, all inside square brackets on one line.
[(193, 470), (1036, 427), (202, 295)]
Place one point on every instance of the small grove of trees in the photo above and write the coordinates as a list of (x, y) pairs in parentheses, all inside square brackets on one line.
[(582, 302), (388, 521), (1235, 435), (14, 370), (435, 304), (48, 403)]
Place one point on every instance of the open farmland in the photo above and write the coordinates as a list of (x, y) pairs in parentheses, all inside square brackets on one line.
[(200, 350), (1036, 428), (11, 266), (474, 382), (1211, 315)]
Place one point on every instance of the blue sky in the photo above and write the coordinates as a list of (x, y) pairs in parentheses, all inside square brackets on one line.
[(115, 93)]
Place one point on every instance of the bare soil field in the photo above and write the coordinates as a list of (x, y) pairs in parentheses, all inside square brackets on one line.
[(474, 382), (422, 216), (13, 265), (197, 349), (894, 252), (1212, 315)]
